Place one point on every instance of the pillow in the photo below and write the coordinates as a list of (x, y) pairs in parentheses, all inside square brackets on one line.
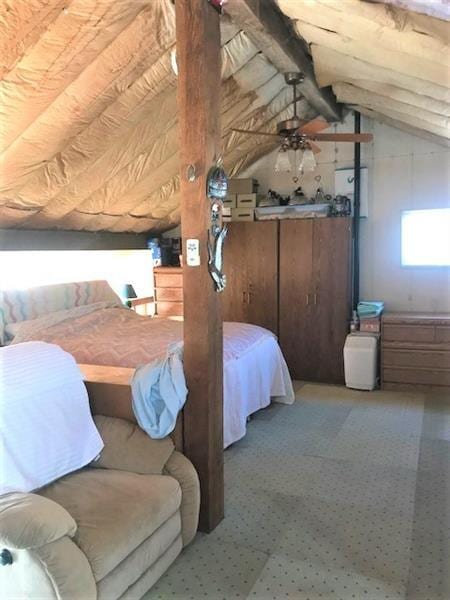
[(46, 427), (12, 329), (21, 331)]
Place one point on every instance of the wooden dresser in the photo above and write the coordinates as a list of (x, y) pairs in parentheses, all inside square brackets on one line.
[(415, 351), (169, 291)]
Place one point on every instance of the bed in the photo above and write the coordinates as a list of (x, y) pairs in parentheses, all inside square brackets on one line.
[(88, 320)]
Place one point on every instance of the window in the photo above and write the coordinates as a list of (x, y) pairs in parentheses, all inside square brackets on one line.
[(22, 269), (426, 238)]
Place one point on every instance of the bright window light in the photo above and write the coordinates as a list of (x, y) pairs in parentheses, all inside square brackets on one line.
[(426, 238), (24, 269)]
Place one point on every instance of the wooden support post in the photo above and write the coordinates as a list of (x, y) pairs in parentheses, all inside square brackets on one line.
[(199, 81)]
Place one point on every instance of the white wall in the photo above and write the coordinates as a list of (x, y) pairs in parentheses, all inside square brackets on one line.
[(405, 172)]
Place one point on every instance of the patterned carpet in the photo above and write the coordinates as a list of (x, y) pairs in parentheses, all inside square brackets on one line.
[(344, 495)]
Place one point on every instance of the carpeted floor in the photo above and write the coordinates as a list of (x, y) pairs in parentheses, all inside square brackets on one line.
[(344, 495)]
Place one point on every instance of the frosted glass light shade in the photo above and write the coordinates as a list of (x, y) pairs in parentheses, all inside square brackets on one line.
[(283, 164), (308, 162)]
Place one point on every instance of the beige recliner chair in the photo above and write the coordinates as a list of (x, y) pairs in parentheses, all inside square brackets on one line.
[(107, 531)]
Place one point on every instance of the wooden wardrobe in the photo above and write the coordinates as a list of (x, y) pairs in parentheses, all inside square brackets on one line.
[(294, 278), (251, 268)]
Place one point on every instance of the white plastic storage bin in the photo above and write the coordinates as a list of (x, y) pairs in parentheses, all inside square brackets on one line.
[(361, 361)]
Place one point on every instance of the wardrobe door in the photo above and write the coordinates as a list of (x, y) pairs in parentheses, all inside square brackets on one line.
[(234, 296), (296, 298), (332, 295), (262, 274), (251, 265)]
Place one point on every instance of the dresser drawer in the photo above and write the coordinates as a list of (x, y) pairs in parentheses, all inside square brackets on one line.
[(408, 333), (443, 335), (169, 294), (416, 358), (416, 376), (169, 309), (168, 280)]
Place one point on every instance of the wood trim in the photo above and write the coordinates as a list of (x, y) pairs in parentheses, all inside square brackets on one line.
[(109, 391), (199, 101), (132, 302)]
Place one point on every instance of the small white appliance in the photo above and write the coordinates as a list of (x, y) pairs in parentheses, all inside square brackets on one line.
[(361, 361)]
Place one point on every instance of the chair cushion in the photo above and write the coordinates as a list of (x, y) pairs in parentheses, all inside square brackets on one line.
[(115, 511)]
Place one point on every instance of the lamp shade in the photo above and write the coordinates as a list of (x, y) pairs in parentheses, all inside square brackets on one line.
[(128, 291), (308, 162), (283, 163)]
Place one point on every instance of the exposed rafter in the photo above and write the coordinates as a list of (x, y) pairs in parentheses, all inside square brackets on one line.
[(389, 62), (273, 34)]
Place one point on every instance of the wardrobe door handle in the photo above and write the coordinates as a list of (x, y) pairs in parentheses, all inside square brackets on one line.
[(315, 299), (249, 297), (307, 299), (244, 297)]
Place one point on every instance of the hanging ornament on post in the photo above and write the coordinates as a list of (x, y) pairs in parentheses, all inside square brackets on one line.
[(217, 181), (216, 190)]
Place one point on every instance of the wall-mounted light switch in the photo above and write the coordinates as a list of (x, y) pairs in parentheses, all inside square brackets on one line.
[(193, 253)]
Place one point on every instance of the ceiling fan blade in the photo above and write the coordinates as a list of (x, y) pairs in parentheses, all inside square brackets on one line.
[(313, 126), (341, 137), (255, 132), (314, 147)]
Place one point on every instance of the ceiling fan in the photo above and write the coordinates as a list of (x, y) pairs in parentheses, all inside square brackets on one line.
[(297, 134)]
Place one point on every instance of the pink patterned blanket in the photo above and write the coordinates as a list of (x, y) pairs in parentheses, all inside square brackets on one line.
[(120, 337)]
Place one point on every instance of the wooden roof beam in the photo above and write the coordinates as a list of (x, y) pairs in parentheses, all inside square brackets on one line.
[(273, 34), (403, 126)]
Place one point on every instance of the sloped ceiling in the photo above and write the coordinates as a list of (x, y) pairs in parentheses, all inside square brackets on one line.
[(386, 62), (88, 117)]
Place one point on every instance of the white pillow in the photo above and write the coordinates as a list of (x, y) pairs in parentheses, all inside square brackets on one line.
[(46, 427)]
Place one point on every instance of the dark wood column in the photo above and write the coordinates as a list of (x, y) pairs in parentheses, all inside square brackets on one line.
[(199, 80)]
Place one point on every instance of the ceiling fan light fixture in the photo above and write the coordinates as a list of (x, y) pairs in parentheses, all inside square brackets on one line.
[(283, 163), (308, 162)]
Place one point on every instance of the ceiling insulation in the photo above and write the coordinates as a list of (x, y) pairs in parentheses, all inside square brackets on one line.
[(391, 64), (434, 8), (88, 113)]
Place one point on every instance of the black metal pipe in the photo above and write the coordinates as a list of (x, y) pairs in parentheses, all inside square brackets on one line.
[(356, 213)]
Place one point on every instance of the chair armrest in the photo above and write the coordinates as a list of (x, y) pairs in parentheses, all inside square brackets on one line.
[(181, 469), (128, 448), (55, 571), (31, 521)]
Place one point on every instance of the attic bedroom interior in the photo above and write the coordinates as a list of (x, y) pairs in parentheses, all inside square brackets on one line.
[(224, 299)]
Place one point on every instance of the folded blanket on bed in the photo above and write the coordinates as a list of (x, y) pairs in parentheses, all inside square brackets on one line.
[(159, 393), (46, 427)]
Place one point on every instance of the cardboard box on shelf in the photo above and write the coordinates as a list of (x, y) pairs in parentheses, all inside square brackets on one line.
[(248, 200), (242, 214), (230, 201), (242, 186)]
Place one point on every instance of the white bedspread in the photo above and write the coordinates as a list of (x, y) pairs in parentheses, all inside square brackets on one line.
[(251, 380), (254, 367)]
